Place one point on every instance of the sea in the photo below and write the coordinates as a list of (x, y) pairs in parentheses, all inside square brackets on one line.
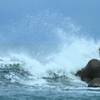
[(40, 55)]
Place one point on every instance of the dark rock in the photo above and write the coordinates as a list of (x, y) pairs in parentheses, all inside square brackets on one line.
[(94, 83), (87, 80), (91, 71)]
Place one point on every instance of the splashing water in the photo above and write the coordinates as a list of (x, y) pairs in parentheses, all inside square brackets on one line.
[(51, 50)]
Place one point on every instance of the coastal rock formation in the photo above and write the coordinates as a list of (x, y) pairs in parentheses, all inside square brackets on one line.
[(87, 80), (91, 72), (94, 83)]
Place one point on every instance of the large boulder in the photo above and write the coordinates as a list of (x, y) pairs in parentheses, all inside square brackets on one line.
[(91, 70), (94, 83), (87, 80)]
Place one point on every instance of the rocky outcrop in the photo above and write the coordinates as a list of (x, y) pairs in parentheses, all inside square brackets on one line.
[(94, 83), (87, 80), (91, 73)]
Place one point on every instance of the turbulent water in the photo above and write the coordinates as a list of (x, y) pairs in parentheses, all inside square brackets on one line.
[(40, 56)]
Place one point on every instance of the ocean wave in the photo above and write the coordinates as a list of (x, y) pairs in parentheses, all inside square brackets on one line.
[(58, 49)]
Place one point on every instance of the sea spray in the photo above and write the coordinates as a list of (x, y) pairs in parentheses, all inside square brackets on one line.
[(63, 65), (48, 49)]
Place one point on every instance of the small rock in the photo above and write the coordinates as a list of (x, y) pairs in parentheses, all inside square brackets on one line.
[(94, 83)]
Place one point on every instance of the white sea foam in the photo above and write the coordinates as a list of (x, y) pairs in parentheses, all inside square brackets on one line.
[(74, 55), (75, 48)]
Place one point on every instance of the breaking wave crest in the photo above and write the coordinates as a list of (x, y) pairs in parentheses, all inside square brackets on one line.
[(51, 54)]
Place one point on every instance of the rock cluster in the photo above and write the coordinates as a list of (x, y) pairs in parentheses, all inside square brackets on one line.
[(91, 73)]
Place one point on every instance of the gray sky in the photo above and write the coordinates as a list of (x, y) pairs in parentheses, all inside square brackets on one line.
[(84, 12)]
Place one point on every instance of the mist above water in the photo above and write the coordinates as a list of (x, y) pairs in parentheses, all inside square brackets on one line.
[(48, 45)]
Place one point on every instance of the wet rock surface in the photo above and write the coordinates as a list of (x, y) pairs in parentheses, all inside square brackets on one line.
[(91, 73)]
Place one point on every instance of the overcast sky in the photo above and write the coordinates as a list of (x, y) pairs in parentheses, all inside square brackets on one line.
[(85, 12)]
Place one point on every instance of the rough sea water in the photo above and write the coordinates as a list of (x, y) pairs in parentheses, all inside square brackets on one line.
[(44, 66)]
